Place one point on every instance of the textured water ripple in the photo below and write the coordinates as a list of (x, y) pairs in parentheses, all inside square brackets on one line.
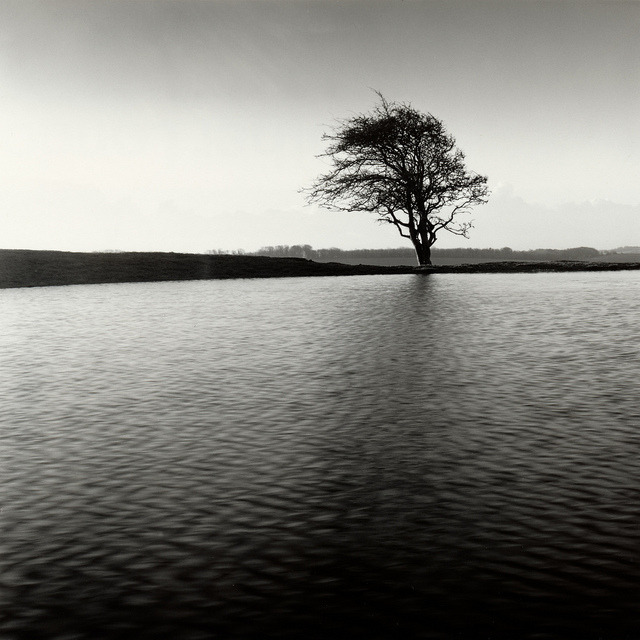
[(395, 457)]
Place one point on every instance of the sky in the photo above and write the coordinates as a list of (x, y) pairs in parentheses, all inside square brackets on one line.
[(190, 125)]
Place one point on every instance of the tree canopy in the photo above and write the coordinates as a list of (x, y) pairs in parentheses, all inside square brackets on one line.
[(404, 166)]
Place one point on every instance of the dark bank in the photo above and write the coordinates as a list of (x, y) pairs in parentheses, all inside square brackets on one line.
[(28, 268)]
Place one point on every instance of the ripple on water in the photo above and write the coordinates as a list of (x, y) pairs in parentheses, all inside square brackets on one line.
[(388, 456)]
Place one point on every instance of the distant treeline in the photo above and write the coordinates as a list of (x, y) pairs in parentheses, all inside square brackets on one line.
[(506, 253)]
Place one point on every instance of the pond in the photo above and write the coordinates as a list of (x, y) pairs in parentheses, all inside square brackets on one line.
[(376, 456)]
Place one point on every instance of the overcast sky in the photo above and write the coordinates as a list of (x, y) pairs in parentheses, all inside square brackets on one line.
[(188, 125)]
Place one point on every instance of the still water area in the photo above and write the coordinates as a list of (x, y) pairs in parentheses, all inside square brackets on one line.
[(443, 456)]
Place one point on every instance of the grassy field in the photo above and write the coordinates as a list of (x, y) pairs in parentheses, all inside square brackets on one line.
[(448, 262), (24, 268)]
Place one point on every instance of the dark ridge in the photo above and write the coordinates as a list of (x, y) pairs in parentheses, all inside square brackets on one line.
[(26, 268)]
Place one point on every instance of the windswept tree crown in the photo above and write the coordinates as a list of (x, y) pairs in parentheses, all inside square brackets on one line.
[(402, 165)]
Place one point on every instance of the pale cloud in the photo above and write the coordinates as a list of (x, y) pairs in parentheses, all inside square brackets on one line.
[(509, 220), (187, 125)]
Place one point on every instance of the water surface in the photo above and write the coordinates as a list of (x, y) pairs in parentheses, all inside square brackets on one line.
[(387, 456)]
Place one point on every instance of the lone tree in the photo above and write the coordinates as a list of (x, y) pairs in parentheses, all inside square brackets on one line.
[(403, 166)]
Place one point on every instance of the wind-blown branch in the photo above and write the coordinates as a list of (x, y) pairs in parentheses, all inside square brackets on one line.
[(403, 166)]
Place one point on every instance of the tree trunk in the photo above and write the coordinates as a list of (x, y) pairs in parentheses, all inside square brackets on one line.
[(423, 253)]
